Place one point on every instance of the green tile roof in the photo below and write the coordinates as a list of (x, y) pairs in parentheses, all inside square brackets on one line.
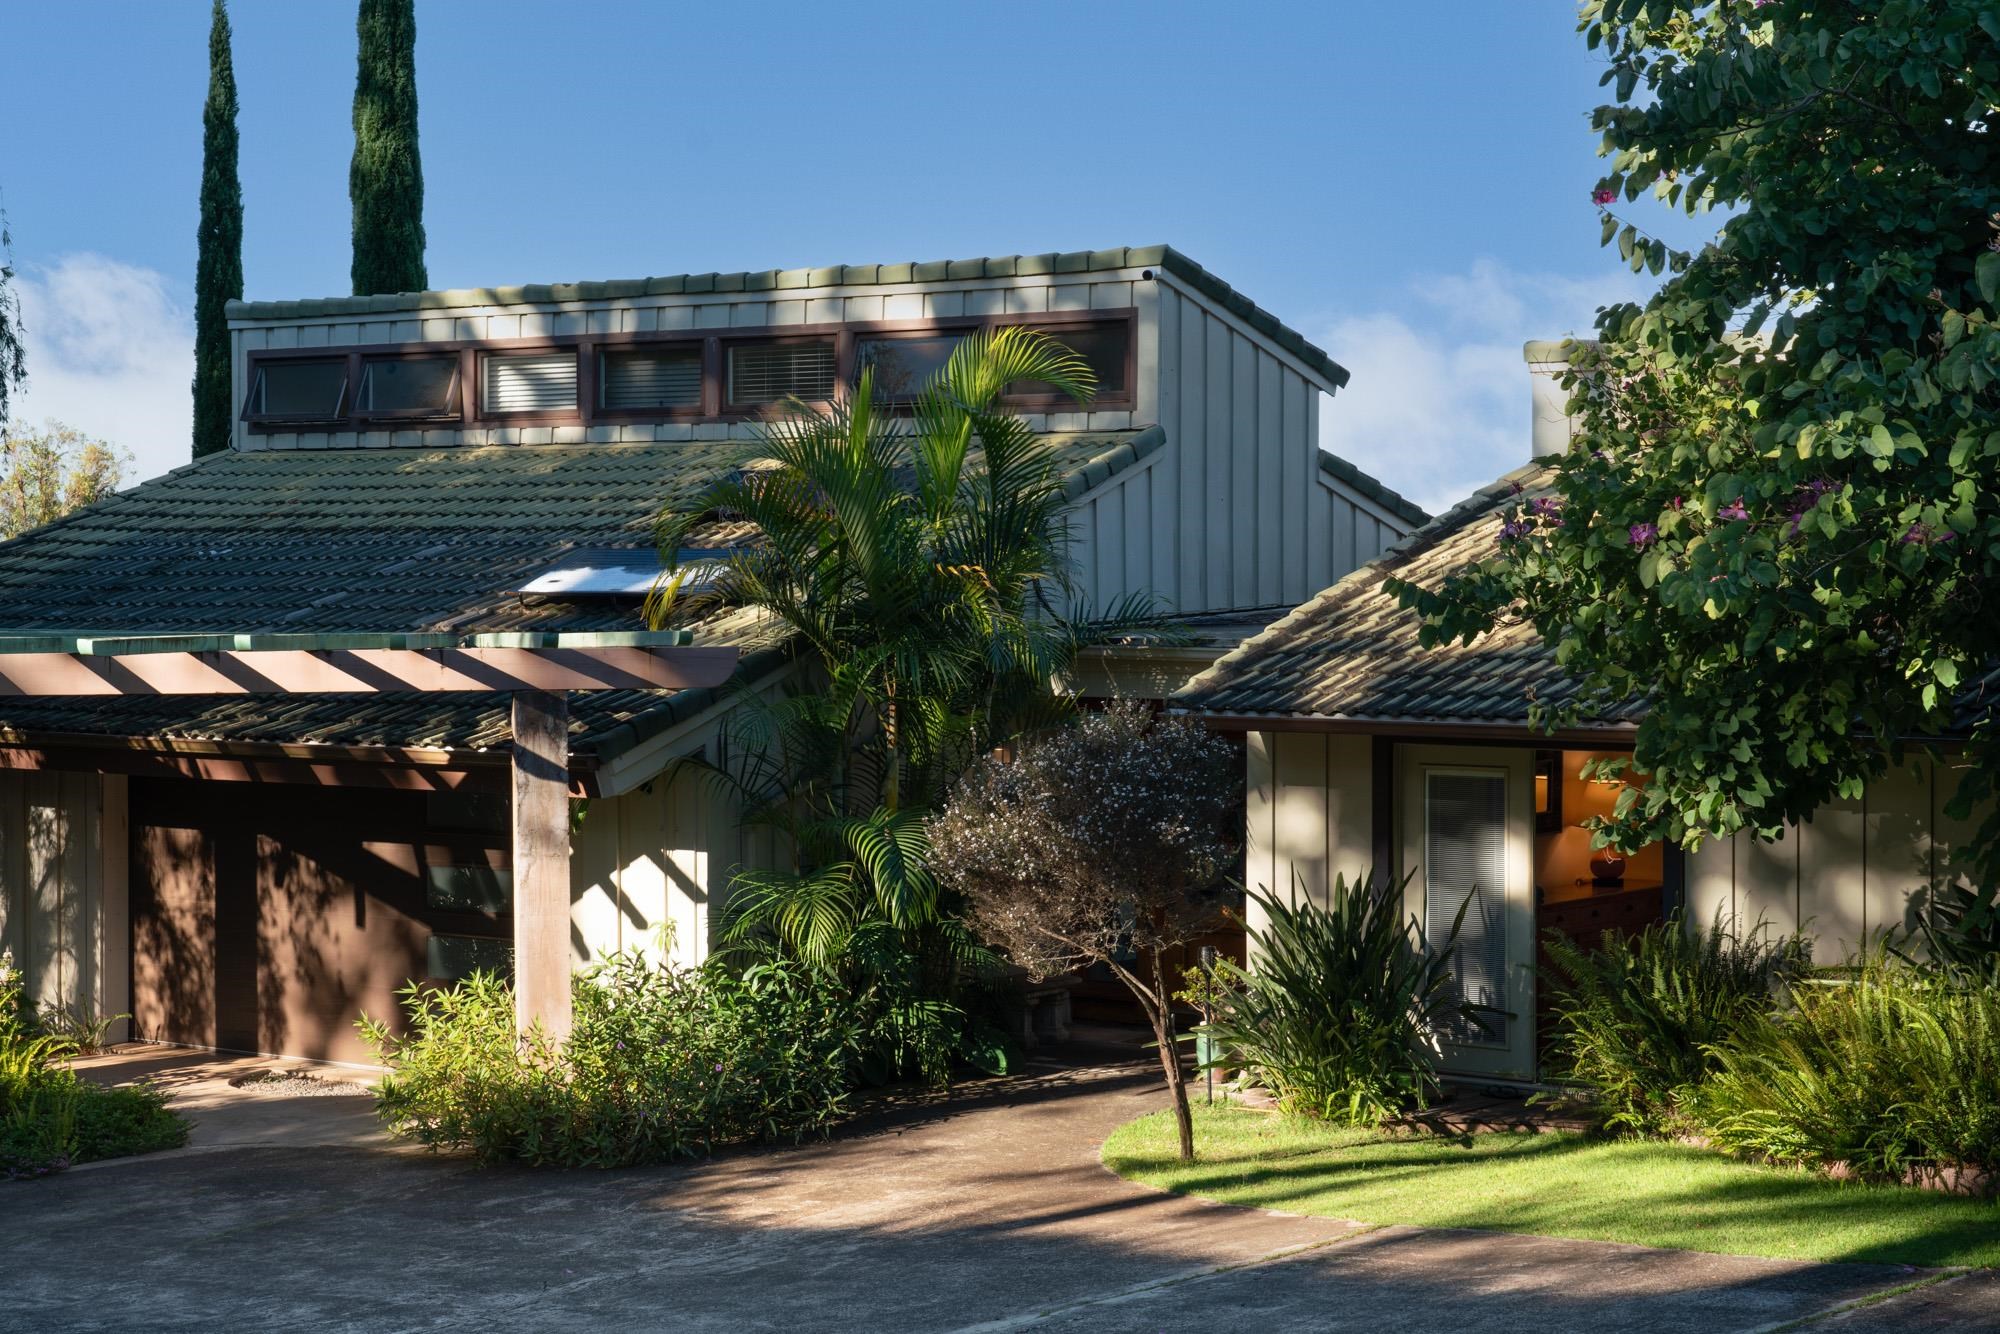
[(1161, 257), (376, 540), (1352, 654)]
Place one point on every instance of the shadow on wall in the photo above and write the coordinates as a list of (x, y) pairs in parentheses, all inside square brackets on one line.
[(270, 921)]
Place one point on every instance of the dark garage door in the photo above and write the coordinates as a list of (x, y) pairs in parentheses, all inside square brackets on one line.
[(268, 917)]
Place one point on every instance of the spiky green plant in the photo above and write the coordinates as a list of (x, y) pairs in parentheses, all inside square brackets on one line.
[(1342, 1011), (1638, 1018), (1893, 1072)]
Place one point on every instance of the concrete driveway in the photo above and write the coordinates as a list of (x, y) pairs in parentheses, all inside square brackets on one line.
[(987, 1210)]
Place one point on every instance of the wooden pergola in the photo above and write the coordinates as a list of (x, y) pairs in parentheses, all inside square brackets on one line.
[(535, 669)]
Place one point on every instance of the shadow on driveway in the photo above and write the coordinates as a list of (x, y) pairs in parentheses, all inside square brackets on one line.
[(987, 1209)]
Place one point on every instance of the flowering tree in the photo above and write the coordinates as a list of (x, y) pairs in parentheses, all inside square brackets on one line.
[(1101, 844), (1782, 516)]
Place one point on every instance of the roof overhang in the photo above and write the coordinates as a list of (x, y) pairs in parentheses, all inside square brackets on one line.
[(1611, 735)]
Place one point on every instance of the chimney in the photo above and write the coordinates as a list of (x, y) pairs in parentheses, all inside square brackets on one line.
[(1550, 423)]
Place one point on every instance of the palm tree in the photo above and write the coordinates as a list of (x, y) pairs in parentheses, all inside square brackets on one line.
[(919, 562), (922, 558)]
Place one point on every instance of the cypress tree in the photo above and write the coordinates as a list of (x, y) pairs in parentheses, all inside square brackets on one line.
[(218, 268), (386, 181)]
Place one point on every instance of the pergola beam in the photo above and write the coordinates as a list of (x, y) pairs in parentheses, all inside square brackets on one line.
[(361, 671)]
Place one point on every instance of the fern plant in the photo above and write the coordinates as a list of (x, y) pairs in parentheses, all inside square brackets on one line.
[(1893, 1072), (1638, 1019), (1343, 1010)]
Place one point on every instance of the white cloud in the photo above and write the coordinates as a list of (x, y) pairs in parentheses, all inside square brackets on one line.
[(110, 352), (1439, 400)]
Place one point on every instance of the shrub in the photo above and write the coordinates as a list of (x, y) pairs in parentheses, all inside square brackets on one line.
[(50, 1118), (131, 1118), (1637, 1019), (1342, 1014), (661, 1063), (1892, 1073)]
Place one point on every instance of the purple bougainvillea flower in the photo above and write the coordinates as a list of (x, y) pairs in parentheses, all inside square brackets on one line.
[(1644, 534), (1601, 197)]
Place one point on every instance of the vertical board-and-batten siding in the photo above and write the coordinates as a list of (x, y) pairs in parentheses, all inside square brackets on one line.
[(650, 870), (1309, 808), (1846, 875), (1255, 521), (643, 869), (63, 906), (1109, 290)]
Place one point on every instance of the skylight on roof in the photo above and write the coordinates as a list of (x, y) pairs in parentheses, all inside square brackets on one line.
[(623, 572)]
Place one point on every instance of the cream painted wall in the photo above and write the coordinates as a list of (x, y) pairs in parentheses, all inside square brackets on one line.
[(647, 871), (63, 904), (1310, 808), (1846, 875)]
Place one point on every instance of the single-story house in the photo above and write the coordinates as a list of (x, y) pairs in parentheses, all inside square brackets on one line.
[(1367, 752), (251, 872)]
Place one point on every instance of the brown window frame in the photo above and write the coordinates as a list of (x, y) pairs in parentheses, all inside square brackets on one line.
[(602, 344), (477, 414), (455, 413), (765, 411), (280, 421), (471, 413)]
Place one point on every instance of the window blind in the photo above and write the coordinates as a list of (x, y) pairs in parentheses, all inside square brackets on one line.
[(530, 382), (1465, 864), (670, 378), (768, 372)]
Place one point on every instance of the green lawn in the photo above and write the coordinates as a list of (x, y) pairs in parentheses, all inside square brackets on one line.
[(1555, 1185)]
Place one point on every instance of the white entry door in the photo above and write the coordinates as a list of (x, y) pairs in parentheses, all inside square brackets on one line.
[(1467, 822)]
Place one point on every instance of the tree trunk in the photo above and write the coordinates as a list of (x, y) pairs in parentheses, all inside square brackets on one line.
[(1170, 1061), (892, 777)]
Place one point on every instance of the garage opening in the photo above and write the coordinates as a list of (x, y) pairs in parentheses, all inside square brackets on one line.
[(269, 917)]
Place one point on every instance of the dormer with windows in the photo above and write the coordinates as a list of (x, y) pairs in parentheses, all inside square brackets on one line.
[(1228, 504)]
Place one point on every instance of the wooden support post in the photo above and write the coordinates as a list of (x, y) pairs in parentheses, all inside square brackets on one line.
[(541, 861)]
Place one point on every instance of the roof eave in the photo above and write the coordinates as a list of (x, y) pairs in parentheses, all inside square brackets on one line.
[(1614, 733)]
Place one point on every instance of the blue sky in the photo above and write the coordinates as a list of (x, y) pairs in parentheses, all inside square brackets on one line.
[(1408, 185)]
